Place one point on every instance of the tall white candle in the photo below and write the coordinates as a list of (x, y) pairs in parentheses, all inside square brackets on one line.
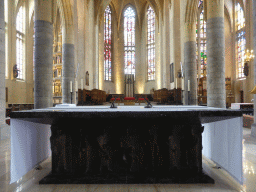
[(82, 84), (176, 84), (70, 86), (76, 85), (183, 84), (188, 85)]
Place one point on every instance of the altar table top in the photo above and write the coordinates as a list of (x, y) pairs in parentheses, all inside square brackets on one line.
[(206, 114)]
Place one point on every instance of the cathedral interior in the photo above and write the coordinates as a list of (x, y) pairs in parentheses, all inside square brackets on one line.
[(51, 49)]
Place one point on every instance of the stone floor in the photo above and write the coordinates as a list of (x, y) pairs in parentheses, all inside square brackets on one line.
[(29, 183)]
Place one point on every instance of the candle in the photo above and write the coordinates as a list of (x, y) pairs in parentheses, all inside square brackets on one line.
[(76, 86), (71, 86), (176, 84), (188, 85), (183, 84), (82, 84)]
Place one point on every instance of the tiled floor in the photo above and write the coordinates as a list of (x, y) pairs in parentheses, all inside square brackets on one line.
[(222, 183)]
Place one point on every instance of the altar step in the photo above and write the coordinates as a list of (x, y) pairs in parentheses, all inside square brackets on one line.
[(129, 178)]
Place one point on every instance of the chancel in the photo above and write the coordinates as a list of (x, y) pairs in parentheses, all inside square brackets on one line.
[(126, 91)]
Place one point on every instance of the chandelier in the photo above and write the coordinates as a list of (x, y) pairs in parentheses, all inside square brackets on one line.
[(249, 55)]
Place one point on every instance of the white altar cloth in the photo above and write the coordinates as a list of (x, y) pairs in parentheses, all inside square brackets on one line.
[(30, 145)]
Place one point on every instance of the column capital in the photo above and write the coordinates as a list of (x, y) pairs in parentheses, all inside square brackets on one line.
[(215, 8), (43, 10), (190, 31)]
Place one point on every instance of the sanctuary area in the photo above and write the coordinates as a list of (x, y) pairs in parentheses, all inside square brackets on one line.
[(126, 91)]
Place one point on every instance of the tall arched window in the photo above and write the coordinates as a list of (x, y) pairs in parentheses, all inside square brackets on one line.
[(107, 44), (20, 42), (129, 41), (240, 40), (151, 43), (201, 42)]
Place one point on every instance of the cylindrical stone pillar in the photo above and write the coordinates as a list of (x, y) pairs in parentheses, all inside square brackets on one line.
[(43, 54), (190, 64), (68, 64), (253, 128), (216, 94), (2, 66)]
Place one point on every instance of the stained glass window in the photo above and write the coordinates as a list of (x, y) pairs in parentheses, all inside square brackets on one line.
[(129, 41), (200, 2), (240, 40), (20, 42), (151, 43), (201, 43), (107, 44)]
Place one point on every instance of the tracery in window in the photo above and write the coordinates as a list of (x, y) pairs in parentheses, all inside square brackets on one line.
[(20, 42), (151, 43), (201, 44), (240, 40), (129, 41), (107, 44)]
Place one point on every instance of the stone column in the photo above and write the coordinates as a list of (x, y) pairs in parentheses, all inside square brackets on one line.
[(216, 94), (253, 127), (190, 64), (43, 54), (2, 69), (68, 64)]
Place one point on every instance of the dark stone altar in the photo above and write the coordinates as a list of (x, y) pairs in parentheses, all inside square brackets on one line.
[(127, 146)]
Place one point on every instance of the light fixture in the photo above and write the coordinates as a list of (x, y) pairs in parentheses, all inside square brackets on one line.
[(249, 55)]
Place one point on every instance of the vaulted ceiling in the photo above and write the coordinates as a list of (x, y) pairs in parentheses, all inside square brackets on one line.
[(117, 6)]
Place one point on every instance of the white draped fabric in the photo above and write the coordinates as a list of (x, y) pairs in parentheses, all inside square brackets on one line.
[(30, 145)]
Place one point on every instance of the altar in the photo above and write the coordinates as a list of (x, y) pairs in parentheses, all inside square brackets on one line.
[(127, 144)]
